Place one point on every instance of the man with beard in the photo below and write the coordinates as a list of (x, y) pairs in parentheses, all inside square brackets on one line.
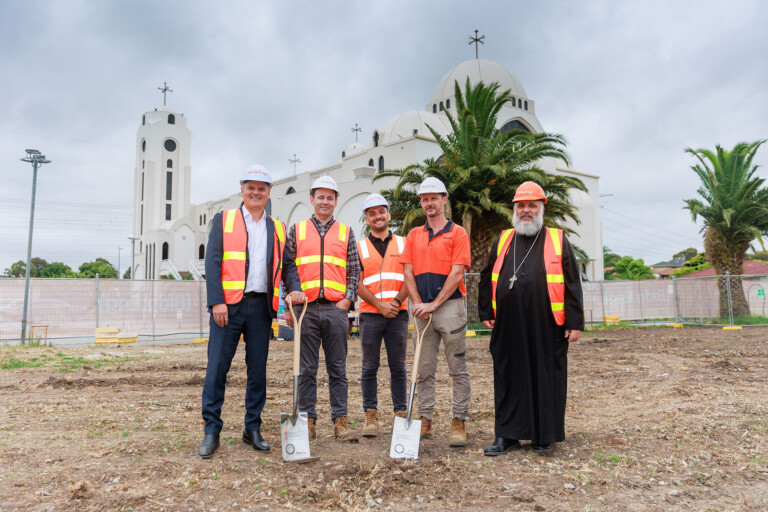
[(434, 259), (530, 295)]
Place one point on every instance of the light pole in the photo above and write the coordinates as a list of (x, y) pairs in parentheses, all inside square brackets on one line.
[(119, 250), (36, 159), (133, 254)]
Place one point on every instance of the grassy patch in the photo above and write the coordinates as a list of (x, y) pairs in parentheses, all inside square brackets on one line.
[(18, 358), (612, 327), (739, 320), (12, 363)]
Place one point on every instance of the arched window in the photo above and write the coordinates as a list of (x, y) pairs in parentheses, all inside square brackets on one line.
[(143, 145), (514, 125), (168, 186), (434, 109), (290, 190), (143, 120), (200, 220), (165, 250), (169, 164), (525, 105), (370, 162), (375, 140), (167, 212), (441, 106), (519, 103), (343, 154), (205, 218), (381, 163), (448, 103), (142, 164), (514, 101), (201, 252), (171, 119)]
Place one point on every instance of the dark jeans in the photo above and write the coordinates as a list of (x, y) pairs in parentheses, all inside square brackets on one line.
[(327, 326), (252, 318), (394, 331)]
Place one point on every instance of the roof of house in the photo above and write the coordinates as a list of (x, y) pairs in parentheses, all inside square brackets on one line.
[(750, 267)]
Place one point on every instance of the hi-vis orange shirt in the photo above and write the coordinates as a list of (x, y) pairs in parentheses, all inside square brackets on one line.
[(322, 261), (234, 254), (553, 265), (433, 255), (382, 276)]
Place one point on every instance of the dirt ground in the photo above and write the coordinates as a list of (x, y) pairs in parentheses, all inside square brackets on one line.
[(658, 419)]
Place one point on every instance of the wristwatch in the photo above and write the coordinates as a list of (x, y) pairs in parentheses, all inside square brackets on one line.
[(397, 301)]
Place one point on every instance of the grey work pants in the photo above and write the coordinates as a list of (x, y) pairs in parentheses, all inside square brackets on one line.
[(327, 326), (449, 324)]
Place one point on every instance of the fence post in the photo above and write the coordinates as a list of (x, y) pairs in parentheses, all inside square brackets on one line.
[(675, 300), (640, 299), (98, 301), (153, 309), (602, 297), (730, 304)]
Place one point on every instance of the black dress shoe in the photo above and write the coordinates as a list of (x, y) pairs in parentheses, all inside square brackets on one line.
[(253, 438), (542, 448), (209, 446), (502, 446)]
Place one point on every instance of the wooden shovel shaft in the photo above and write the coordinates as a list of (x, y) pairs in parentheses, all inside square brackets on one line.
[(296, 335), (415, 371)]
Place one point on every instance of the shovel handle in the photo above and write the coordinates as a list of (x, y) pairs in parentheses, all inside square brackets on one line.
[(417, 354), (296, 334)]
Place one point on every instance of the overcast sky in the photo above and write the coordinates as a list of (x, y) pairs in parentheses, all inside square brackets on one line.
[(629, 84)]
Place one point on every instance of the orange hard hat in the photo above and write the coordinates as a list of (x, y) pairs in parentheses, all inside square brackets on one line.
[(529, 191)]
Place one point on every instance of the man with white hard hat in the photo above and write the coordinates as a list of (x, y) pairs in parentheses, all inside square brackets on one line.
[(435, 258), (324, 253), (243, 272), (383, 311)]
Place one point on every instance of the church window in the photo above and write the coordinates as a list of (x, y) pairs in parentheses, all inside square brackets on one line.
[(370, 162), (143, 145), (165, 251), (448, 103), (168, 186), (205, 218), (167, 212), (171, 119), (290, 190), (514, 101), (143, 120), (375, 139), (142, 186), (201, 252), (170, 145), (169, 164), (434, 109), (142, 164), (441, 106), (141, 221), (525, 105), (415, 131), (343, 154), (381, 163), (519, 103), (514, 125)]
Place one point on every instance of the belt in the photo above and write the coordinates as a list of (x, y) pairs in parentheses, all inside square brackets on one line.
[(253, 295), (323, 300)]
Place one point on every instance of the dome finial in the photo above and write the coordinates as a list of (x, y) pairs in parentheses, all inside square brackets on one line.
[(476, 40)]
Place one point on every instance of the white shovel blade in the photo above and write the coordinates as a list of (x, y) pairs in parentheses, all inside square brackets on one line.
[(295, 438), (405, 439)]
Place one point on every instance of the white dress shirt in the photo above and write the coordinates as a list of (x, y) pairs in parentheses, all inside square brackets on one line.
[(257, 280)]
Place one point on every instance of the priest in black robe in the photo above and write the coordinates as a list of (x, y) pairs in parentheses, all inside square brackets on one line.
[(529, 349)]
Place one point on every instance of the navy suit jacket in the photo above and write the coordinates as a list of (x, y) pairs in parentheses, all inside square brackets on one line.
[(213, 255)]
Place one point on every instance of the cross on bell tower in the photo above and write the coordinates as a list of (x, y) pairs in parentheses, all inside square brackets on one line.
[(357, 130), (165, 89), (476, 41)]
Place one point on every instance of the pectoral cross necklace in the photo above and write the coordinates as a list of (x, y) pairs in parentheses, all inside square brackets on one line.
[(515, 267)]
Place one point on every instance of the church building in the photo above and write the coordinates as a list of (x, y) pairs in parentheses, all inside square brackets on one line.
[(172, 233)]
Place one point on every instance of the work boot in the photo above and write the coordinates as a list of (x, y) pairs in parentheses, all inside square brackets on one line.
[(398, 414), (312, 428), (426, 428), (342, 432), (458, 433), (371, 428)]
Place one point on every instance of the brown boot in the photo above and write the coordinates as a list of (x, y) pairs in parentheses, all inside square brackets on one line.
[(312, 428), (426, 428), (371, 428), (342, 432), (458, 433), (398, 414)]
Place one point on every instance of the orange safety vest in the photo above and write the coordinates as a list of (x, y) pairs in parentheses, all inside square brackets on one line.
[(383, 276), (322, 261), (553, 265), (234, 250)]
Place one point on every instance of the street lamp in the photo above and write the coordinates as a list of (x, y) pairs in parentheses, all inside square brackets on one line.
[(133, 253), (36, 159)]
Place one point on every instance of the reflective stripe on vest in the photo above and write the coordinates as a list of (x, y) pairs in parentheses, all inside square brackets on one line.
[(322, 261), (553, 266), (234, 254), (382, 276)]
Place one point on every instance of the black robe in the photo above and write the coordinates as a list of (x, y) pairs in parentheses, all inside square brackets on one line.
[(529, 350)]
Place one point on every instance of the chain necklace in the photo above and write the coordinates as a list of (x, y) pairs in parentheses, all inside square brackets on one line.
[(515, 267)]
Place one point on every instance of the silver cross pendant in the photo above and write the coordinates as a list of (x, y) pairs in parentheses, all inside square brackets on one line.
[(512, 281)]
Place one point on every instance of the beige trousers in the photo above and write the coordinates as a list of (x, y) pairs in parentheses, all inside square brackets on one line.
[(449, 324)]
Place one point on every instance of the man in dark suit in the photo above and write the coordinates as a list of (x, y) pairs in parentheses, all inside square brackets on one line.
[(243, 267)]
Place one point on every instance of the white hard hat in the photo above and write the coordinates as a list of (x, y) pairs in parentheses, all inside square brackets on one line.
[(431, 186), (374, 200), (256, 173), (325, 182)]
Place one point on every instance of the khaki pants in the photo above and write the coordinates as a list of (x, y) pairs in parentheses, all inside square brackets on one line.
[(449, 324)]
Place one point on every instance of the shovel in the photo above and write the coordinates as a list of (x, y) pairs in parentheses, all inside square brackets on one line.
[(406, 432), (294, 427)]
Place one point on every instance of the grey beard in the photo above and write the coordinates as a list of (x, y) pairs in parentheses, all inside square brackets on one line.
[(528, 228)]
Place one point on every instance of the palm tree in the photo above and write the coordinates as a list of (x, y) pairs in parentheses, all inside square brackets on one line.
[(734, 207), (482, 167)]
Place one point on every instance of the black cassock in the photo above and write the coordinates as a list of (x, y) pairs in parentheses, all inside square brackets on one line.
[(529, 350)]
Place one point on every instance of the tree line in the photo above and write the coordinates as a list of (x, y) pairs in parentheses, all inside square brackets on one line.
[(39, 267)]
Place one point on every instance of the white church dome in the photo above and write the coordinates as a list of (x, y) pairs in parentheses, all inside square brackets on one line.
[(477, 70), (353, 149), (402, 126)]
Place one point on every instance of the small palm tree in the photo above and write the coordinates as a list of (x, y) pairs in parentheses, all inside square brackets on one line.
[(734, 208), (482, 167)]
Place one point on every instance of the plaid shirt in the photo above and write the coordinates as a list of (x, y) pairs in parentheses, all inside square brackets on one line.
[(353, 259)]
